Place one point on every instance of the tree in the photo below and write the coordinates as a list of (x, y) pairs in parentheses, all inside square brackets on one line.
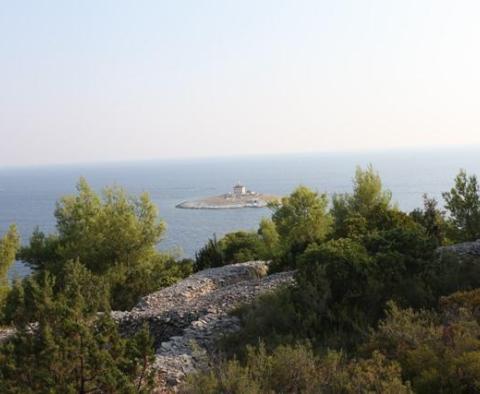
[(300, 219), (241, 246), (64, 345), (99, 231), (335, 280), (128, 284), (9, 245), (432, 219), (463, 203), (362, 211), (235, 247), (104, 231), (112, 234), (210, 255), (270, 239)]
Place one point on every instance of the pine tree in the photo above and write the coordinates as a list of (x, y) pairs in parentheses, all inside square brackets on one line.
[(66, 342)]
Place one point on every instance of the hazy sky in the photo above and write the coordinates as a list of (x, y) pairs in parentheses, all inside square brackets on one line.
[(123, 80)]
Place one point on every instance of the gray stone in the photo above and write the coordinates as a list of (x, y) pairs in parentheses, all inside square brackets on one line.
[(187, 319)]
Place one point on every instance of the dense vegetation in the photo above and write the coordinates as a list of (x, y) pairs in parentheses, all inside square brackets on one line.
[(371, 307), (375, 306), (114, 236), (102, 256)]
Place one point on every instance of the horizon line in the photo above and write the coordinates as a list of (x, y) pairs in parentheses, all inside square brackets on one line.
[(422, 148)]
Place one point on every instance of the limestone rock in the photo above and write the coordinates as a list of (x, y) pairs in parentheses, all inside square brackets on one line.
[(188, 318), (463, 249)]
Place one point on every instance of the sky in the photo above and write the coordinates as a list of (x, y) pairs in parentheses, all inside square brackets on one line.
[(117, 80)]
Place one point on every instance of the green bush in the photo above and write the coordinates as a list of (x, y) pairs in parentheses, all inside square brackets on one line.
[(437, 352), (236, 247), (295, 369)]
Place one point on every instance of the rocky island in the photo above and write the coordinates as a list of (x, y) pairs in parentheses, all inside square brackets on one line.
[(240, 197)]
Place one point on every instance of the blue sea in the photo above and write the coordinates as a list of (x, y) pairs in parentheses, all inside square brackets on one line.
[(28, 194)]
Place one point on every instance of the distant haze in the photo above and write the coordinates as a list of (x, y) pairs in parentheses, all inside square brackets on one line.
[(89, 80)]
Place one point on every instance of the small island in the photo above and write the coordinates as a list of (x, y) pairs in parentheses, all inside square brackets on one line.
[(240, 197)]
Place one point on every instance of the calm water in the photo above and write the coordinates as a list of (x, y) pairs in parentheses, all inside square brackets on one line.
[(28, 195)]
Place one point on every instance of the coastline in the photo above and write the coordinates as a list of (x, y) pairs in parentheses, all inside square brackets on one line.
[(227, 201)]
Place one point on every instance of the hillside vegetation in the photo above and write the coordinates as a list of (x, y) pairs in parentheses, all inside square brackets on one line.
[(378, 304)]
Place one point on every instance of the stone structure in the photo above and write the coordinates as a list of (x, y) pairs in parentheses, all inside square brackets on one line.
[(239, 190), (188, 318), (464, 249)]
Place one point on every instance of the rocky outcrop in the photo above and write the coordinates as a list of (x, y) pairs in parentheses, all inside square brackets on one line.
[(464, 249), (188, 318), (230, 201)]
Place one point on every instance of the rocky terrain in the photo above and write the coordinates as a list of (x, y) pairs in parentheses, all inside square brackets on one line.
[(188, 318), (229, 201), (463, 249)]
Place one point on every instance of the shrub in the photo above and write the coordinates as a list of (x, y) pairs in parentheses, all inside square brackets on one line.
[(437, 352), (295, 369)]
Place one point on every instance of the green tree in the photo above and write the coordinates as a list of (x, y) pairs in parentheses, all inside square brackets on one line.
[(463, 203), (270, 239), (300, 219), (335, 281), (432, 219), (362, 211), (113, 235), (235, 247), (99, 231), (210, 255), (105, 231), (128, 284), (63, 345), (241, 246), (9, 246)]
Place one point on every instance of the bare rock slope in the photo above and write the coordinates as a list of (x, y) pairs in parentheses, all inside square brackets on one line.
[(187, 319)]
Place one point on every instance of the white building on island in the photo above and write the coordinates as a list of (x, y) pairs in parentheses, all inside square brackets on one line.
[(239, 190)]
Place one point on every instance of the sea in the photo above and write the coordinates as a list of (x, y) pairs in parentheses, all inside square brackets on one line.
[(28, 194)]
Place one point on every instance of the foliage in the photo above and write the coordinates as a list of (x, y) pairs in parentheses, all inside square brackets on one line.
[(99, 231), (9, 245), (437, 353), (370, 281), (236, 247), (210, 255), (329, 306), (295, 369), (241, 246), (449, 273), (300, 219), (432, 219), (463, 203), (70, 348), (270, 239), (128, 284), (343, 284), (271, 317), (362, 211), (114, 236)]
